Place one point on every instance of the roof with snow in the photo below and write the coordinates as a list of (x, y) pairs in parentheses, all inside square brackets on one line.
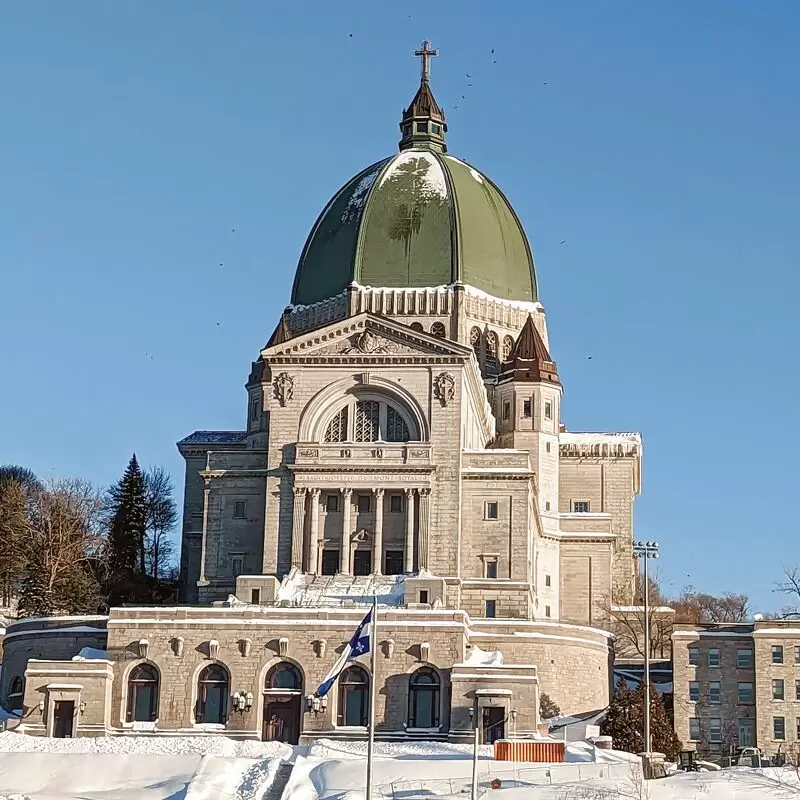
[(215, 437)]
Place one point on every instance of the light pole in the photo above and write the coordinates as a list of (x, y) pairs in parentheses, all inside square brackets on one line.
[(475, 743), (646, 550)]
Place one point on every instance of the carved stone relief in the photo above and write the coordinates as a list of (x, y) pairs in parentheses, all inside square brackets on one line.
[(283, 388)]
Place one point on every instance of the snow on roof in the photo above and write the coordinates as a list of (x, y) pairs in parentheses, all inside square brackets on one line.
[(92, 654), (215, 437), (488, 658), (359, 195), (431, 177), (657, 609), (298, 589), (599, 437), (525, 305)]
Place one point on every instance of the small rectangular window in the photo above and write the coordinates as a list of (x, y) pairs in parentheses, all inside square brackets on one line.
[(362, 562), (254, 410), (694, 729), (797, 654), (436, 128), (548, 410), (715, 730), (364, 503), (255, 596), (580, 506), (330, 562), (240, 509), (527, 408), (714, 693), (506, 409), (546, 505), (491, 568), (395, 504), (744, 693), (491, 511), (547, 447), (779, 728), (744, 659), (237, 565), (694, 656), (423, 595), (332, 503), (694, 691), (797, 723), (422, 127), (491, 609), (777, 689), (393, 562), (713, 657), (797, 690), (547, 580), (547, 611), (777, 654)]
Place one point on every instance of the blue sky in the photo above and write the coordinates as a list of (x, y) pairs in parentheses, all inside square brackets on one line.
[(161, 165)]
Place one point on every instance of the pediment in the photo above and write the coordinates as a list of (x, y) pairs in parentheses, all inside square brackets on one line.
[(365, 337)]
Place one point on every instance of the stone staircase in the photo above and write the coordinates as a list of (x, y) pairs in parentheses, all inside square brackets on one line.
[(279, 784)]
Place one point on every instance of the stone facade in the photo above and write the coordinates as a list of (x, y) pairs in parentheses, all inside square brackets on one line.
[(738, 684)]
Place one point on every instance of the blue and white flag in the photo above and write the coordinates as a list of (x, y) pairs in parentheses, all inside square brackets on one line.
[(358, 645)]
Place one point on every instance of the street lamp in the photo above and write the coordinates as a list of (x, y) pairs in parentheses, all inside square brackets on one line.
[(646, 550), (475, 742)]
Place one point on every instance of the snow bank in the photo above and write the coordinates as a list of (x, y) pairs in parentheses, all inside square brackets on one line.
[(487, 658)]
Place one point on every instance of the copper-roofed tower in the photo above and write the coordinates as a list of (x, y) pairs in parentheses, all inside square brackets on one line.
[(423, 122), (530, 360)]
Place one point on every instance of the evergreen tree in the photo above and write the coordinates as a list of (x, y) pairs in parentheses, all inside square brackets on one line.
[(548, 708), (126, 535), (625, 723)]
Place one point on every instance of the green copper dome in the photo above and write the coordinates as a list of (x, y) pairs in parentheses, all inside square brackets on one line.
[(420, 218)]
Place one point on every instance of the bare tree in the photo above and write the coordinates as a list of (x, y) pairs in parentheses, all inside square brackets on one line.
[(161, 518), (790, 586), (13, 529), (695, 607)]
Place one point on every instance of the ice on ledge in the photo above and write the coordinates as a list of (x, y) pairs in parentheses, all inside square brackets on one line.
[(484, 658), (306, 591), (92, 654)]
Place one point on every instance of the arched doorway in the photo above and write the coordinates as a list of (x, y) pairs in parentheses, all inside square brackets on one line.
[(283, 696), (423, 699), (212, 695), (143, 694), (353, 697)]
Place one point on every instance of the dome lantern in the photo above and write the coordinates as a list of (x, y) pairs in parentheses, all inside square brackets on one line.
[(423, 123)]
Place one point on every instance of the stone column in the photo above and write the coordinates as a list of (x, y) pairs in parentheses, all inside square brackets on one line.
[(409, 554), (424, 506), (313, 534), (344, 553), (298, 522), (204, 536), (377, 539)]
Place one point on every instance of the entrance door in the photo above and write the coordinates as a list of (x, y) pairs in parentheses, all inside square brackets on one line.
[(282, 719), (63, 717), (746, 735), (494, 724)]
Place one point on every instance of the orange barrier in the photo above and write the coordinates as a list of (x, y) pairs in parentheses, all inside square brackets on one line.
[(542, 752)]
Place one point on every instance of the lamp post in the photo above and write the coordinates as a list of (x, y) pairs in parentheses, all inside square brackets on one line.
[(475, 744), (646, 551)]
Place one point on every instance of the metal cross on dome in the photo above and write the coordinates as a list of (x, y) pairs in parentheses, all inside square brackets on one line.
[(425, 54)]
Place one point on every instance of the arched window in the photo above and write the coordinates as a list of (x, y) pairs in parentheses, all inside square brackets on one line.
[(367, 421), (417, 326), (143, 694), (423, 699), (212, 695), (438, 329), (475, 342), (285, 676), (16, 693), (491, 353), (508, 346), (353, 697)]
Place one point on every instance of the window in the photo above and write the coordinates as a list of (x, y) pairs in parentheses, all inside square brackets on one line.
[(580, 506), (694, 729), (547, 580), (240, 509), (491, 353), (779, 728), (212, 695), (237, 565), (744, 659), (547, 611), (777, 654), (423, 595), (777, 689), (491, 609), (254, 410), (506, 410), (16, 693), (436, 128), (744, 693), (284, 676), (508, 346), (548, 410), (353, 697), (332, 503), (527, 408), (715, 730), (143, 694), (438, 330), (491, 568), (475, 343), (255, 596), (367, 421), (364, 503), (714, 693), (797, 654), (713, 657), (423, 699), (797, 690), (694, 657), (416, 326), (393, 562), (490, 510), (422, 127), (330, 562), (746, 733), (362, 562), (694, 691), (547, 447), (546, 505), (395, 504)]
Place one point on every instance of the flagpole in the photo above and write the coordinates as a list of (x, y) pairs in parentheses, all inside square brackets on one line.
[(373, 690)]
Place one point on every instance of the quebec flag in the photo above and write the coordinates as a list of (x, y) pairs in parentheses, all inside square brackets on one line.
[(358, 645)]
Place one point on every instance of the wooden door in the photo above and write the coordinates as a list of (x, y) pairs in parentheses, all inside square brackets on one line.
[(63, 718)]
